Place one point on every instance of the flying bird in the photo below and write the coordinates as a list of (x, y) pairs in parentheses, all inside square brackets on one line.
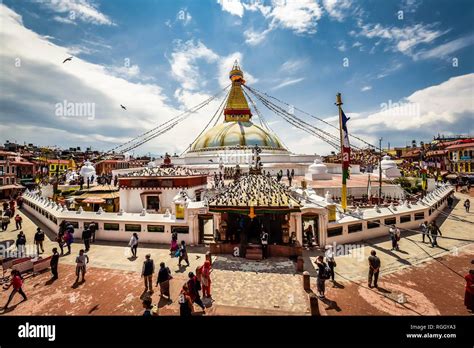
[(67, 60), (123, 107)]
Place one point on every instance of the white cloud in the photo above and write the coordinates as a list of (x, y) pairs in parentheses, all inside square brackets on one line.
[(342, 46), (337, 9), (287, 83), (234, 7), (292, 66), (183, 63), (254, 38), (433, 109), (127, 72), (84, 10), (32, 90), (301, 16), (63, 20), (366, 88), (446, 49), (403, 39)]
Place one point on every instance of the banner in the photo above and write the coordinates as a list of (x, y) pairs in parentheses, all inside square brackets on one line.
[(346, 147)]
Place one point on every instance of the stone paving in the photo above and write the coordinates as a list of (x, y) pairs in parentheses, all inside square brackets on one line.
[(353, 265)]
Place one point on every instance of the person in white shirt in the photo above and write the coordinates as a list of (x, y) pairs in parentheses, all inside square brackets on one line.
[(133, 244), (81, 261), (264, 241), (331, 261)]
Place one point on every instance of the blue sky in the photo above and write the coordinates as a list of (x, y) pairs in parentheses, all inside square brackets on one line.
[(159, 57)]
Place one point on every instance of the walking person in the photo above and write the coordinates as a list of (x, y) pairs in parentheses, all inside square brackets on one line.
[(60, 241), (93, 229), (68, 239), (17, 283), (20, 244), (331, 261), (39, 239), (174, 244), (86, 237), (133, 244), (374, 268), (206, 270), (54, 263), (5, 221), (393, 237), (81, 261), (186, 307), (434, 231), (164, 277), (183, 254), (425, 231), (147, 273), (469, 291), (18, 221), (264, 241), (467, 205), (450, 201), (323, 275), (193, 288)]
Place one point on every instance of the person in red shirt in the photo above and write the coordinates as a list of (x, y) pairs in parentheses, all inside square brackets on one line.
[(17, 283), (469, 293)]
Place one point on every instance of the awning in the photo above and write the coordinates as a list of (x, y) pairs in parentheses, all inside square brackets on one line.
[(94, 200)]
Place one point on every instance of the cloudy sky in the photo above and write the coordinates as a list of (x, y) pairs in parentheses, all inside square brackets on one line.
[(405, 68)]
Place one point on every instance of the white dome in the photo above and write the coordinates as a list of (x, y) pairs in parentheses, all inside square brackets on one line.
[(318, 167), (87, 170)]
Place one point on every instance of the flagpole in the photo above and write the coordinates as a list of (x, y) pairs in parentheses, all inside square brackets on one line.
[(344, 181)]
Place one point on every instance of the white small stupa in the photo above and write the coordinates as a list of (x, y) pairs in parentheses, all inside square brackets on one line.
[(389, 168), (87, 171), (318, 171)]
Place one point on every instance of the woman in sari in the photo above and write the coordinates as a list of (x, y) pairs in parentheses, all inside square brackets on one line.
[(206, 270)]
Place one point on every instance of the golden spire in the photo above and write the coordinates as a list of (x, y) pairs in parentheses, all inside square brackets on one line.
[(237, 108)]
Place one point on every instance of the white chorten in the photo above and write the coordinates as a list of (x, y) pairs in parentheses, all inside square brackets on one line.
[(87, 171), (389, 168), (318, 171)]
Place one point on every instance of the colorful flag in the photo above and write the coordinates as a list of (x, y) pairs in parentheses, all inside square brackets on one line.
[(346, 147)]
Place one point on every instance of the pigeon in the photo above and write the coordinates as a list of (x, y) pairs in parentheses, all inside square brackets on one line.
[(211, 160), (123, 107), (67, 60)]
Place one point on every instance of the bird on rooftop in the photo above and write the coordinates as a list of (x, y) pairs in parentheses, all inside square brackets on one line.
[(67, 60), (123, 107)]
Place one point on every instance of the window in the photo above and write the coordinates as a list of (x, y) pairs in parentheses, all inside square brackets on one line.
[(153, 202), (335, 231), (111, 226), (373, 224), (180, 229), (419, 216), (405, 218), (354, 228), (133, 228), (390, 221), (156, 228)]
